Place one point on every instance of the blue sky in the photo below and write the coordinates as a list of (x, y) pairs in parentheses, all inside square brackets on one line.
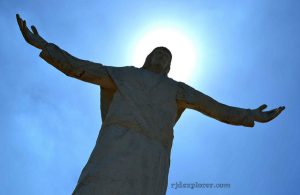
[(250, 56)]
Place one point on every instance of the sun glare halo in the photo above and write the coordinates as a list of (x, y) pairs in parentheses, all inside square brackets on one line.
[(184, 53)]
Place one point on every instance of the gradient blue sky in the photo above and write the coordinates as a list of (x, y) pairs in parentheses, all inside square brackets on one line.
[(250, 56)]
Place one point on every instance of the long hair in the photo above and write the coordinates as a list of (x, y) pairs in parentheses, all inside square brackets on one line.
[(148, 59)]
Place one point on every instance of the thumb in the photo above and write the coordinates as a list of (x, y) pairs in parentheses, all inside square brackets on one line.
[(262, 107), (34, 30)]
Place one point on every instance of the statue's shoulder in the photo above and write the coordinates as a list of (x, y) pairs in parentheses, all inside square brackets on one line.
[(115, 70), (174, 82), (121, 68), (124, 73)]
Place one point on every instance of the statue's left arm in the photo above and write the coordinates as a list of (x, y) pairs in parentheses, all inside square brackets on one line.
[(188, 97)]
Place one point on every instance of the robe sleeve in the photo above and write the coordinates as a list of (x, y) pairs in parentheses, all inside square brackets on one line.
[(84, 70), (189, 97)]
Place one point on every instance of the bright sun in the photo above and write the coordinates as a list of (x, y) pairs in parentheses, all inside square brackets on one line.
[(184, 54)]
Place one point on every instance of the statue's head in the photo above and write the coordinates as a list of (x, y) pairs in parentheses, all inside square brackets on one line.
[(159, 61)]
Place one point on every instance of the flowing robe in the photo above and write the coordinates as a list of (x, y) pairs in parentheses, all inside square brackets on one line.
[(132, 152)]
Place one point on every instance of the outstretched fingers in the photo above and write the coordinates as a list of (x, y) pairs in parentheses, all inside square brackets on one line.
[(20, 22), (26, 32), (22, 26), (31, 36), (34, 30), (273, 113)]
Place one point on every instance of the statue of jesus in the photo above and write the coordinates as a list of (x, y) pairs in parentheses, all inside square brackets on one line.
[(139, 109)]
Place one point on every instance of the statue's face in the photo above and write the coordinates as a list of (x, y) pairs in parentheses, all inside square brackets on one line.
[(160, 60)]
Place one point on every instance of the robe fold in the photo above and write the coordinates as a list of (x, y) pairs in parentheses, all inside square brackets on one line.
[(132, 152)]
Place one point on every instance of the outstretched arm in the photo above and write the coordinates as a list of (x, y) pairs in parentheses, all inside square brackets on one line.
[(71, 66), (188, 97)]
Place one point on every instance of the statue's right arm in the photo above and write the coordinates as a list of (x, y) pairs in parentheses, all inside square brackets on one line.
[(81, 69), (71, 66)]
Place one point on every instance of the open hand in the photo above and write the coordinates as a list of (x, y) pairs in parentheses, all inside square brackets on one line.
[(33, 38), (265, 116)]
